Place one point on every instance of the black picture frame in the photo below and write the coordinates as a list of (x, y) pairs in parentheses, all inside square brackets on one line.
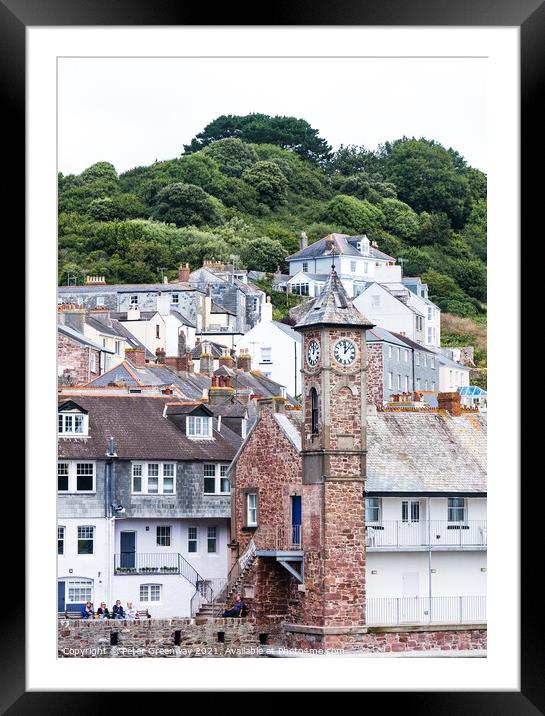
[(529, 15)]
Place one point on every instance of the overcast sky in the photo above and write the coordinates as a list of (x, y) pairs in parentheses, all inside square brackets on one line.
[(131, 112)]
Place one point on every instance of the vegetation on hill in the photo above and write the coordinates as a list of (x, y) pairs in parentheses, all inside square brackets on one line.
[(458, 331), (246, 187)]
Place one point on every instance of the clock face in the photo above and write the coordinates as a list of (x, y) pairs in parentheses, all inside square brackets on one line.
[(313, 353), (344, 352)]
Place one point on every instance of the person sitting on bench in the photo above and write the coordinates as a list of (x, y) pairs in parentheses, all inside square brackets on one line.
[(236, 609), (87, 611), (102, 611), (118, 610)]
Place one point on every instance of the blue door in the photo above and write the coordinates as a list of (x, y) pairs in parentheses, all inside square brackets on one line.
[(61, 604), (296, 520), (128, 549)]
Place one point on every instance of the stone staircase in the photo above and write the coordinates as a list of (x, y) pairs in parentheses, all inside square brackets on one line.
[(226, 598)]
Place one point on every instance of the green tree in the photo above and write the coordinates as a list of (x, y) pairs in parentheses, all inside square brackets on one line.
[(269, 183), (263, 254), (399, 219), (286, 132), (232, 155), (187, 205), (353, 216), (433, 229)]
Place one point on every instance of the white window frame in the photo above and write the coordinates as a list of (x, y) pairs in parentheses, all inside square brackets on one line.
[(148, 590), (251, 509), (63, 417), (118, 348), (175, 299), (92, 539), (390, 380), (406, 355), (410, 511), (166, 535), (92, 361), (375, 301), (212, 536), (144, 468), (81, 584), (266, 354), (462, 507), (100, 301), (376, 506), (191, 539), (353, 267), (73, 477), (203, 421), (217, 477), (132, 302), (305, 267), (61, 537), (417, 358)]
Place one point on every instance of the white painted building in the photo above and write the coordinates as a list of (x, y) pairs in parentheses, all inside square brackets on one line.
[(452, 375), (275, 349), (386, 310)]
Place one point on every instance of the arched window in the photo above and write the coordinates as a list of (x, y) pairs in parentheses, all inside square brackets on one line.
[(314, 410)]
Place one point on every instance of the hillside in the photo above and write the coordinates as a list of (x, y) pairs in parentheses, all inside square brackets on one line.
[(246, 187)]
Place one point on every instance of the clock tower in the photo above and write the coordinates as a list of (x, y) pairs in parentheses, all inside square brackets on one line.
[(333, 455)]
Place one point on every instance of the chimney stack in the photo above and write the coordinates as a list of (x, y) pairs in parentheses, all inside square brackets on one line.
[(137, 356), (303, 240), (226, 359), (183, 273), (95, 281), (206, 365), (72, 315), (220, 390), (451, 402), (244, 361)]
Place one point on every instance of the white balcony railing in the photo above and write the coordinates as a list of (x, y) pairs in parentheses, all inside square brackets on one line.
[(393, 611), (390, 534)]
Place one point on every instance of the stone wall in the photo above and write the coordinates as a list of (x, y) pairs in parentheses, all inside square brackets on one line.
[(386, 640), (143, 638), (375, 374), (75, 358)]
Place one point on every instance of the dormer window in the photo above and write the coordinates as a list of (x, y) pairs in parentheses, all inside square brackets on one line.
[(199, 426), (72, 422)]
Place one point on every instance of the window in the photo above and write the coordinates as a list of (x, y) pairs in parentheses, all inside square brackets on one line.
[(366, 267), (212, 539), (406, 388), (199, 426), (72, 423), (60, 540), (216, 481), (100, 300), (191, 539), (305, 266), (430, 313), (389, 351), (163, 536), (433, 386), (425, 360), (353, 267), (175, 299), (456, 509), (86, 540), (104, 343), (266, 354), (251, 509), (432, 362), (406, 356), (419, 323), (134, 301), (150, 592), (79, 591), (62, 476), (118, 347), (153, 478), (418, 383), (399, 382), (157, 331), (375, 301), (410, 511), (417, 358), (430, 335), (93, 362), (301, 289), (210, 478), (390, 380), (225, 483), (85, 473), (426, 385), (76, 477), (372, 509), (314, 410), (398, 354)]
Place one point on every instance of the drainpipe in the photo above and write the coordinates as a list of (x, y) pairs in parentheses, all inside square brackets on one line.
[(429, 554), (109, 492), (295, 366)]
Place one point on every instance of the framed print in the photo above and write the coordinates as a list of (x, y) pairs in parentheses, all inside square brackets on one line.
[(267, 301)]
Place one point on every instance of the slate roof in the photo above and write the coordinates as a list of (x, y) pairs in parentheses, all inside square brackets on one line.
[(418, 452), (332, 307), (183, 319), (443, 360), (77, 336), (413, 344), (141, 432), (288, 330), (215, 349), (342, 244), (373, 335), (125, 288)]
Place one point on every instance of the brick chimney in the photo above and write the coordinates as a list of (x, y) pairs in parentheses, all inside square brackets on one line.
[(183, 273), (72, 315), (160, 354), (137, 356), (451, 402), (226, 359), (244, 361), (279, 404), (95, 281), (221, 389), (206, 363)]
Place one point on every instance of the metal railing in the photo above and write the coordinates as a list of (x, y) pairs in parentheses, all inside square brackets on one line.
[(426, 533), (146, 563), (392, 611), (278, 537)]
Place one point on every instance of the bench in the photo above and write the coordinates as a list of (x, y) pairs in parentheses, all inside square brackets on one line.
[(142, 614)]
